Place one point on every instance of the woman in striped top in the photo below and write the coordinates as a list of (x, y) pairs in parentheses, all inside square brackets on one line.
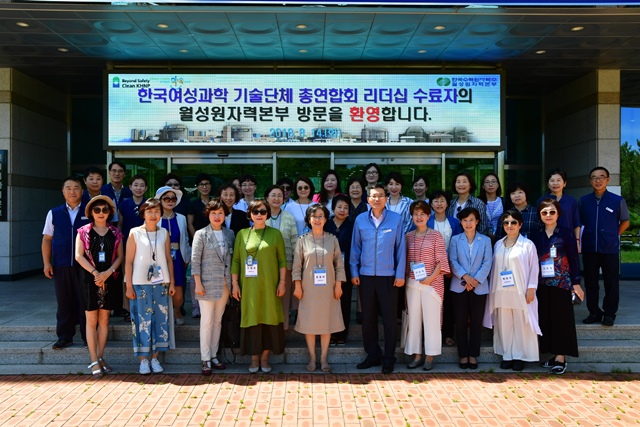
[(426, 265)]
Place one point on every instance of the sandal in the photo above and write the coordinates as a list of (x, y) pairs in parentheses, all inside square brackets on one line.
[(325, 367), (311, 366), (104, 365), (96, 372)]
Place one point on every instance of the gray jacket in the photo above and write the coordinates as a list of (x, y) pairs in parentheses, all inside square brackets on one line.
[(208, 260)]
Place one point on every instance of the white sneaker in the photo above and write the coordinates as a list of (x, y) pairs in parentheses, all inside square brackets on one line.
[(179, 320), (155, 366), (144, 367)]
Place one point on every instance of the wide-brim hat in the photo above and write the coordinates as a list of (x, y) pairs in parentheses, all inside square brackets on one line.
[(166, 189), (93, 201)]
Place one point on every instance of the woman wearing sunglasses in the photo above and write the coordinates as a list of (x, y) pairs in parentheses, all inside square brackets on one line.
[(176, 225), (99, 252), (258, 276), (513, 306), (559, 276), (304, 190)]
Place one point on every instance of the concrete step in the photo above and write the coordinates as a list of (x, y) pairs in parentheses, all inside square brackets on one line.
[(188, 352)]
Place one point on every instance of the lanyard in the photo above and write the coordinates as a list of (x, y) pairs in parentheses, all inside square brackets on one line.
[(168, 227), (315, 250), (155, 244), (415, 237), (259, 243)]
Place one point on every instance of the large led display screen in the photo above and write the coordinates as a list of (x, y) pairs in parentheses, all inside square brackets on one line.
[(264, 111)]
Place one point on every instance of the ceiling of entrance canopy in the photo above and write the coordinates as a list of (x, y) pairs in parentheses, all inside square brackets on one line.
[(68, 45)]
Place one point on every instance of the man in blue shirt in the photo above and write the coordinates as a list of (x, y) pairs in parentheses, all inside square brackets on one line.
[(605, 217), (378, 262)]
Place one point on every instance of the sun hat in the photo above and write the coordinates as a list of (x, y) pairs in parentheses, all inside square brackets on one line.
[(166, 189), (91, 202)]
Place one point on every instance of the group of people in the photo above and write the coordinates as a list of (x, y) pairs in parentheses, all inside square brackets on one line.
[(466, 262)]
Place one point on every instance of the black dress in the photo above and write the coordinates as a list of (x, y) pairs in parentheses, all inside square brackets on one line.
[(94, 297)]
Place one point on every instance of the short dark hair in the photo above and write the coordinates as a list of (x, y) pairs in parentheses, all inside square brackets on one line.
[(92, 170), (138, 176), (284, 180), (355, 179), (518, 185), (215, 204), (377, 187), (172, 175), (514, 213), (547, 203), (558, 171), (119, 163), (440, 193), (148, 204), (421, 205), (99, 203), (271, 188), (599, 168), (324, 197), (472, 182), (306, 180), (340, 198), (254, 204), (72, 178), (311, 210), (227, 186), (203, 177), (369, 166), (483, 193), (464, 213), (421, 177), (248, 177), (396, 176)]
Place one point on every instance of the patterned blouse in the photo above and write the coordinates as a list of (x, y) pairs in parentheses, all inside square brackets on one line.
[(565, 265)]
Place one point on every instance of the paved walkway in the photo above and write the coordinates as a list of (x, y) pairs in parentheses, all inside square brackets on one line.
[(481, 399)]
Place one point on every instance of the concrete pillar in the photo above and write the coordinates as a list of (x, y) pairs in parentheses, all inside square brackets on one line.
[(33, 128), (582, 129)]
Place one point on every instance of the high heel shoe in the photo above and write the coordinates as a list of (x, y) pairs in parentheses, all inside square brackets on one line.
[(96, 370), (104, 366)]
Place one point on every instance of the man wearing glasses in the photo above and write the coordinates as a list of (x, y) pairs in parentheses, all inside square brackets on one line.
[(377, 263), (605, 217), (115, 190), (248, 185)]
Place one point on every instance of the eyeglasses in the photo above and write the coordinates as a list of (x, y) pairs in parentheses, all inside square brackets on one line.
[(117, 170), (598, 178), (371, 173), (493, 182), (318, 218), (104, 209), (514, 222), (247, 185), (259, 211), (275, 196), (303, 188), (548, 213), (285, 187), (173, 184), (169, 199), (204, 184)]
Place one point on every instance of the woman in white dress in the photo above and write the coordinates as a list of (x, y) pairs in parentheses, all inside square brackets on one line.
[(513, 306), (304, 190)]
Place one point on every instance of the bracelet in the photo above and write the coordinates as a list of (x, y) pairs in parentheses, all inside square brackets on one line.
[(93, 271), (113, 270)]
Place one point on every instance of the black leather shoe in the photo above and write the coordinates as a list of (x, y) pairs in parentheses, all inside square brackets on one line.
[(518, 365), (506, 364), (387, 369), (368, 363), (60, 344), (608, 321), (592, 318), (463, 365), (473, 365)]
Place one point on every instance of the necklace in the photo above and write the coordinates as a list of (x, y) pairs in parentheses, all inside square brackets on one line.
[(511, 245)]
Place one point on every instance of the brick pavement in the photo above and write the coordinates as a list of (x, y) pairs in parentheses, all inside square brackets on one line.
[(465, 399)]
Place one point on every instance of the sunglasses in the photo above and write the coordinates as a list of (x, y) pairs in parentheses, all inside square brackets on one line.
[(514, 222), (259, 211), (304, 188), (169, 199), (104, 209), (547, 213), (285, 187)]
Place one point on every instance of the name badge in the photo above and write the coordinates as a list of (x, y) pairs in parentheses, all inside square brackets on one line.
[(320, 276), (609, 210), (546, 268), (251, 267), (419, 270), (157, 277), (102, 256), (553, 252), (506, 277)]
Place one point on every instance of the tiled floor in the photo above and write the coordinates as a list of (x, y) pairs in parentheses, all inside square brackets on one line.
[(480, 399)]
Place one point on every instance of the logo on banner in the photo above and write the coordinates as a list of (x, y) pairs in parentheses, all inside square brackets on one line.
[(177, 81), (116, 82), (443, 81)]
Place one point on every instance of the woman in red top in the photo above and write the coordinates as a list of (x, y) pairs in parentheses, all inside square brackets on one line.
[(426, 264)]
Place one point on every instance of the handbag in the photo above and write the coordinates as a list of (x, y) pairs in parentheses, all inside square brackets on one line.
[(230, 336)]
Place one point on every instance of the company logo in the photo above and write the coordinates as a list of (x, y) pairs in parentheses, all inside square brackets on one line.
[(115, 82), (443, 81), (177, 81)]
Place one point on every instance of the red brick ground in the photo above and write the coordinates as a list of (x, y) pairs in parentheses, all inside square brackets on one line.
[(480, 399)]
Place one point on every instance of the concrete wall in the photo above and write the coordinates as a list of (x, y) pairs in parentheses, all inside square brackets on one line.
[(582, 129), (33, 128)]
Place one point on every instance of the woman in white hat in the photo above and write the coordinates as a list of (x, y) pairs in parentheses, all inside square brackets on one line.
[(176, 225), (99, 252)]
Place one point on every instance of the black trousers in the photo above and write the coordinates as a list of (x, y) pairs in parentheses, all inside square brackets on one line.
[(378, 292), (345, 305), (71, 305), (557, 321), (610, 264), (447, 311), (468, 311)]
